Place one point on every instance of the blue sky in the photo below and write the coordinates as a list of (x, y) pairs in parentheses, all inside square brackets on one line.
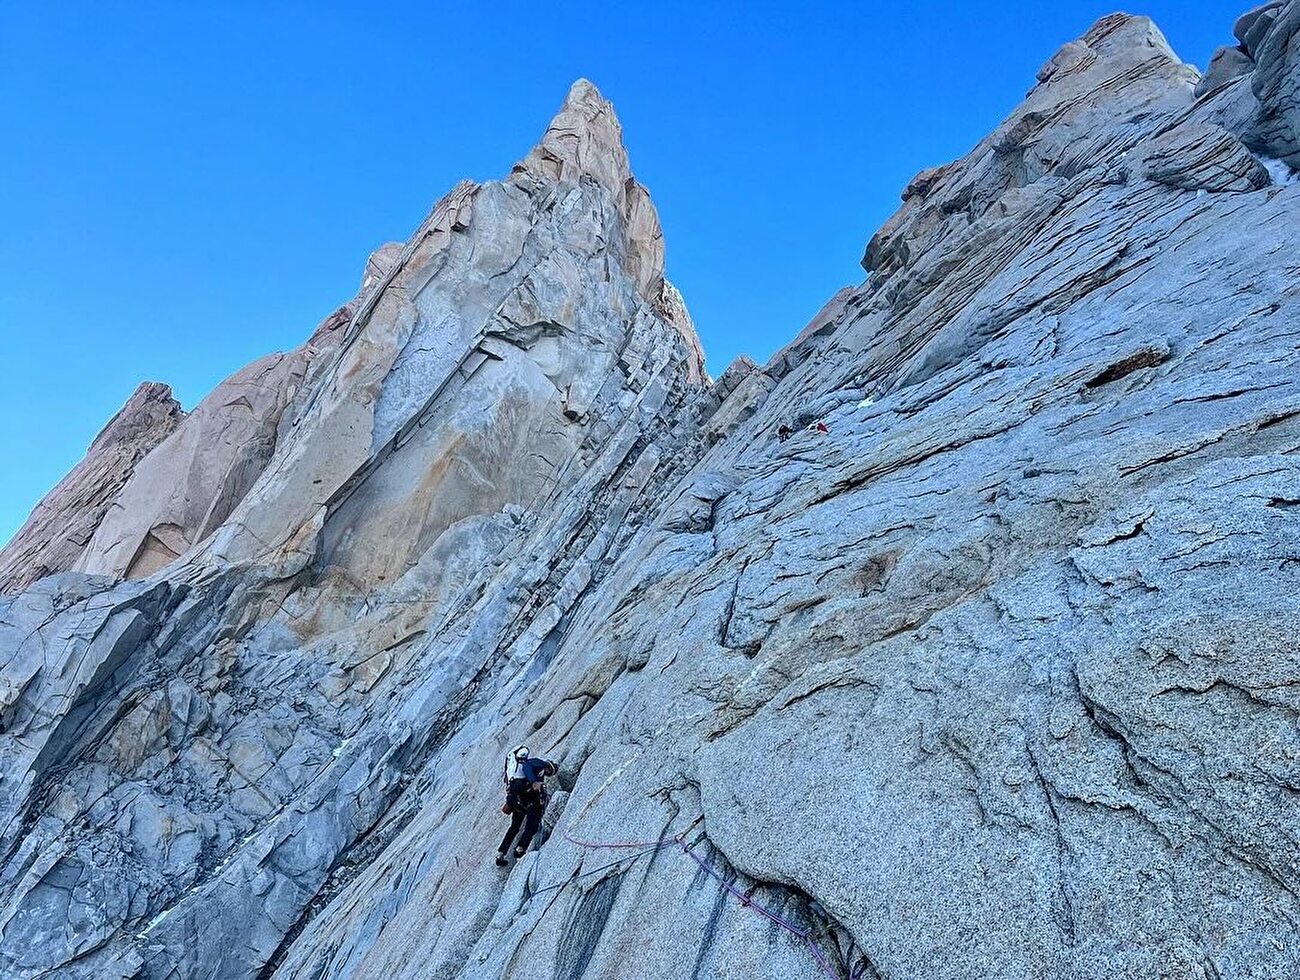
[(187, 186)]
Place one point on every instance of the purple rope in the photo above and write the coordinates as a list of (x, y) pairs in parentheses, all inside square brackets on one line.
[(730, 888), (748, 902)]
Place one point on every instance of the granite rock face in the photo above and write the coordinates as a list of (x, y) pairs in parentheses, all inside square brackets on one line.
[(986, 670), (63, 524), (183, 491)]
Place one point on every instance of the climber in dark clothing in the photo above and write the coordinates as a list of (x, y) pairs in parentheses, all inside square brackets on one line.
[(525, 781)]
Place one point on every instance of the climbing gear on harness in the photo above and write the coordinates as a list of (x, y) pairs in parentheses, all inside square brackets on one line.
[(526, 818)]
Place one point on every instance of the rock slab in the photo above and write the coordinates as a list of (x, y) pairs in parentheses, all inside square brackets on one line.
[(985, 669)]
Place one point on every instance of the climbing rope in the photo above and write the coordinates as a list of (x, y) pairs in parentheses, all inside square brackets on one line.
[(767, 913), (626, 844), (643, 847), (595, 871)]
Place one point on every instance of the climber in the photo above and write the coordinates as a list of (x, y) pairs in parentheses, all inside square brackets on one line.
[(512, 775), (820, 427), (783, 432), (525, 783)]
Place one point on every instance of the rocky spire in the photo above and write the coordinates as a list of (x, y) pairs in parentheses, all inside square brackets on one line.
[(537, 305), (586, 138), (63, 523)]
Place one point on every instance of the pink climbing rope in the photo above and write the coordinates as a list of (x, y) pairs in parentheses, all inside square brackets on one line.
[(767, 913), (680, 841)]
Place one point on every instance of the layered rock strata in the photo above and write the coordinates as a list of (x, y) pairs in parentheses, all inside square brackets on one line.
[(994, 677)]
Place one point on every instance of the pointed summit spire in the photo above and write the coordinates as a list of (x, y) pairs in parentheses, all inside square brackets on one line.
[(584, 138)]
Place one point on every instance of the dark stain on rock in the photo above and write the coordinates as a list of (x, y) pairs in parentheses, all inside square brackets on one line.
[(582, 932)]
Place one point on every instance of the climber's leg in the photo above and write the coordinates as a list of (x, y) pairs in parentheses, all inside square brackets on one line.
[(517, 818), (530, 828)]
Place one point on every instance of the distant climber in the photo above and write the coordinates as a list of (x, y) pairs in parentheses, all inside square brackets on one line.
[(525, 785), (820, 427), (783, 432)]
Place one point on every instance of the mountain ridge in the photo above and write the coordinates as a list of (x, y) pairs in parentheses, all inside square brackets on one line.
[(956, 641)]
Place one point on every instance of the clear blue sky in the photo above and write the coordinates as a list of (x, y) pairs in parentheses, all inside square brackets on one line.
[(187, 186)]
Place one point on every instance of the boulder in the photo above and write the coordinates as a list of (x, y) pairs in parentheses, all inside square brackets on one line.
[(1226, 64)]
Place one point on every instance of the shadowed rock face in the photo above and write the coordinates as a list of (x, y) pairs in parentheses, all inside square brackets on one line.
[(994, 678)]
